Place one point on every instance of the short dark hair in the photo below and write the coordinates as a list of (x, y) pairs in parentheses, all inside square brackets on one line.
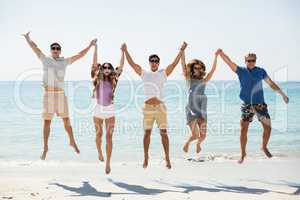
[(55, 44), (154, 56)]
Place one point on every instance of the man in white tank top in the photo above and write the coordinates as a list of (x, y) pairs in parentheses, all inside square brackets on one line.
[(154, 108), (54, 100)]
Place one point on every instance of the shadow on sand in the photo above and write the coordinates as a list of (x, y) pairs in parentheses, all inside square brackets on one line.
[(88, 190), (85, 190), (187, 188), (139, 189)]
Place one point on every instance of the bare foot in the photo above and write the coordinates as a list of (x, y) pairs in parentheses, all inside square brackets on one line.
[(44, 154), (74, 145), (100, 157), (168, 163), (198, 147), (241, 160), (107, 169), (186, 148), (267, 152), (145, 164)]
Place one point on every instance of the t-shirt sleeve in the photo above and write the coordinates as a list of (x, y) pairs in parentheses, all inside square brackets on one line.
[(143, 74), (164, 74), (42, 57), (67, 61), (264, 74), (239, 70)]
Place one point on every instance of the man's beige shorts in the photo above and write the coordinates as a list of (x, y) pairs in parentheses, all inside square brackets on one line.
[(154, 113), (55, 102)]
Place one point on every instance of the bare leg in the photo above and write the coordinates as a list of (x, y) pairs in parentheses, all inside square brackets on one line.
[(46, 133), (109, 124), (194, 128), (69, 130), (243, 139), (203, 129), (266, 123), (98, 127), (147, 137), (165, 142)]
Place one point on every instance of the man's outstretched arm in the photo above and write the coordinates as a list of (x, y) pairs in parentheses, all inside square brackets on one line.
[(228, 61), (32, 45), (277, 89), (135, 66), (82, 53), (171, 67)]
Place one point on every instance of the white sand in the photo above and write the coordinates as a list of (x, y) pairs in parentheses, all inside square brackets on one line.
[(260, 179)]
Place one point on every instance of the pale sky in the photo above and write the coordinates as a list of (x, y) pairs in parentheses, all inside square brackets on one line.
[(270, 28)]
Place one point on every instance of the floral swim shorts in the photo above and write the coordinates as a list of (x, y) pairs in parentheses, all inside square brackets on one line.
[(249, 110)]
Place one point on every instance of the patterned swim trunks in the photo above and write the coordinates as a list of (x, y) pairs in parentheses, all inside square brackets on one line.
[(249, 110)]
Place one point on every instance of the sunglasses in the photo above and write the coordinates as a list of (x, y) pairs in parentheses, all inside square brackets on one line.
[(154, 61), (55, 48), (251, 61), (105, 67)]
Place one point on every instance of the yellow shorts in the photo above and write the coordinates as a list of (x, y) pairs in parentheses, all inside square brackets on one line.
[(156, 113), (55, 102)]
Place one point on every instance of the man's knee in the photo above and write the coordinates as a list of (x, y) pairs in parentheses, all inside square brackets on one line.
[(163, 132), (47, 124), (147, 133), (267, 129)]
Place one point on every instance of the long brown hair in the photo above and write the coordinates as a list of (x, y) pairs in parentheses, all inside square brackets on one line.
[(191, 71), (98, 75)]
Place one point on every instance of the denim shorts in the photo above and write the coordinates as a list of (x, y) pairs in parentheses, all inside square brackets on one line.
[(249, 110)]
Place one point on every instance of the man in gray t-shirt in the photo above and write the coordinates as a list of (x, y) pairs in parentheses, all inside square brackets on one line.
[(54, 100)]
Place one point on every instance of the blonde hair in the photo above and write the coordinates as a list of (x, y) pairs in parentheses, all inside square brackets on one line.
[(250, 55)]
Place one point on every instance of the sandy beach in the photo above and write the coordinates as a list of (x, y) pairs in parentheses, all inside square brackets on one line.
[(255, 179)]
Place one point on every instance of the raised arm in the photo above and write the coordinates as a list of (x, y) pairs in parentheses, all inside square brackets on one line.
[(33, 46), (95, 60), (276, 88), (228, 61), (82, 53), (214, 66), (121, 64), (135, 66), (183, 64), (171, 67)]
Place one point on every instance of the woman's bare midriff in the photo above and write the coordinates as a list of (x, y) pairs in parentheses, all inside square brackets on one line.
[(153, 101)]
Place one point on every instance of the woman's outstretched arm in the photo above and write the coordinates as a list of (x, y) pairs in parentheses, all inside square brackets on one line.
[(121, 64), (214, 66)]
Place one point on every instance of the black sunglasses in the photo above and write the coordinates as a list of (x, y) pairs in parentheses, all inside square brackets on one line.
[(251, 61), (105, 67), (154, 61), (56, 48)]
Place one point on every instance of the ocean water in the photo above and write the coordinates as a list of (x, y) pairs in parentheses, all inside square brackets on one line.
[(21, 123)]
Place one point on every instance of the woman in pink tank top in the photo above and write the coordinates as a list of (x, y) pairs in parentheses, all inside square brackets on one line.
[(105, 79)]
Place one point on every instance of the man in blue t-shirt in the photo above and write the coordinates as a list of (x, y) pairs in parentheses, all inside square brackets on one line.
[(252, 95)]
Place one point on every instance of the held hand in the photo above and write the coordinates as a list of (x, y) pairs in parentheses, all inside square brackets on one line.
[(124, 47), (218, 52), (93, 42), (285, 99), (183, 46), (26, 35)]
